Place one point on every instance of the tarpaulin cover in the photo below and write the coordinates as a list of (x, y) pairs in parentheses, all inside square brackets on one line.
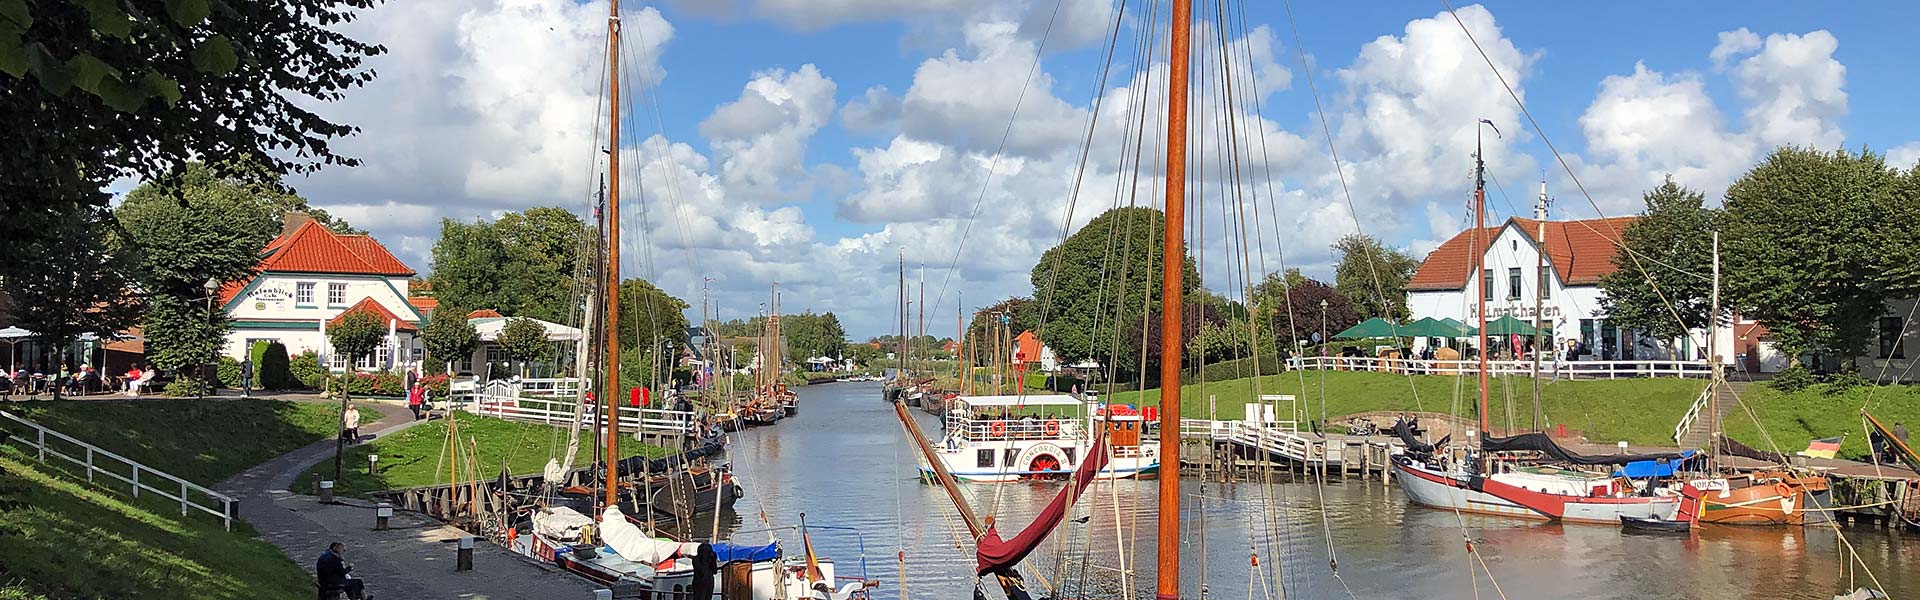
[(725, 552), (1539, 442), (1404, 429), (1646, 468), (997, 554)]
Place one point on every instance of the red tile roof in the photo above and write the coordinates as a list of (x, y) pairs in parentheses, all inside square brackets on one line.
[(423, 303), (1580, 251), (484, 313), (379, 312), (1028, 345), (312, 248)]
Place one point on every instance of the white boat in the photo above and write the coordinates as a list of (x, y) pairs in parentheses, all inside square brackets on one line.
[(1011, 438), (634, 565), (1535, 493)]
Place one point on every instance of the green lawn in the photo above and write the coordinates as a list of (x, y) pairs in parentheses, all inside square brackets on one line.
[(1812, 413), (203, 441), (1640, 411), (412, 457), (63, 538)]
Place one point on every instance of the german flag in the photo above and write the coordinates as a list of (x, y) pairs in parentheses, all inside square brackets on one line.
[(1823, 448)]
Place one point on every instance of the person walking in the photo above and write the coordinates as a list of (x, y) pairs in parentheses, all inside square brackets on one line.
[(416, 398), (246, 378), (350, 423), (331, 572), (1899, 433)]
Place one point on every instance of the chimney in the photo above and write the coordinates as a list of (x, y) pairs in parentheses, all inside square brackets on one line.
[(292, 220)]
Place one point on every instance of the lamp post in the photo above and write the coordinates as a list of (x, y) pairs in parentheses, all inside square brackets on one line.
[(211, 286), (1323, 333)]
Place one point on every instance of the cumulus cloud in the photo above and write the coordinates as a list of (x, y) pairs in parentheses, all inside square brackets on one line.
[(876, 111), (761, 139), (1733, 43), (1905, 156)]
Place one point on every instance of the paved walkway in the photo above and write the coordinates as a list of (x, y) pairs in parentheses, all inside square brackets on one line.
[(413, 559)]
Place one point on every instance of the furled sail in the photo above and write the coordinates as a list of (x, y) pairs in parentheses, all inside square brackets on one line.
[(1539, 442), (1404, 429), (996, 554), (630, 543)]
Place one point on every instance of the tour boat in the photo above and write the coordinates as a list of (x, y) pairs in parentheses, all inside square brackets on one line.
[(1011, 438)]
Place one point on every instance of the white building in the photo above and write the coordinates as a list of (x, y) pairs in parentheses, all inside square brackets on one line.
[(309, 276), (1567, 288)]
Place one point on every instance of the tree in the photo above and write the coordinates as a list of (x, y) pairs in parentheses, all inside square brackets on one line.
[(1374, 277), (525, 341), (864, 354), (355, 335), (1022, 314), (1142, 338), (1103, 276), (1290, 308), (97, 91), (1804, 233), (521, 264), (71, 281), (448, 335), (1674, 245), (835, 336), (179, 236)]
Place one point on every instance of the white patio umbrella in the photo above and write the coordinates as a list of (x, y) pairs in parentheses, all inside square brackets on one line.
[(13, 335)]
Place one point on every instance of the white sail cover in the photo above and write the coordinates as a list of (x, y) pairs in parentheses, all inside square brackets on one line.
[(632, 544), (560, 523)]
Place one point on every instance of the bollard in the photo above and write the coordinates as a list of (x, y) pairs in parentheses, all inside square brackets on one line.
[(380, 515), (326, 492), (1623, 447), (464, 560), (603, 595)]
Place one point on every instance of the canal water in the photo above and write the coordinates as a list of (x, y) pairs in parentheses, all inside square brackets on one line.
[(845, 463)]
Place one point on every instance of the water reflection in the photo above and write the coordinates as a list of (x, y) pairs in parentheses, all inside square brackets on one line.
[(844, 461)]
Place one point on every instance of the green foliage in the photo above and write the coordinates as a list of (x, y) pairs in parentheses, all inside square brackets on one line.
[(199, 440), (1844, 381), (1373, 277), (1675, 254), (99, 90), (46, 510), (522, 264), (356, 335), (1788, 420), (182, 387), (201, 227), (1224, 340), (649, 315), (1289, 309), (305, 370), (271, 368), (1805, 235), (809, 335), (449, 336), (1791, 379), (388, 385), (229, 372), (71, 280), (864, 354), (525, 340), (1106, 274), (1022, 314), (1267, 364)]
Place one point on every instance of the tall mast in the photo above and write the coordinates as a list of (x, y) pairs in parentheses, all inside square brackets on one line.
[(922, 327), (1541, 282), (610, 391), (900, 350), (1713, 360), (1172, 267), (1479, 261)]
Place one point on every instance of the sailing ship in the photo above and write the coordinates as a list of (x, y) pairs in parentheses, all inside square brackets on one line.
[(1494, 480), (997, 439)]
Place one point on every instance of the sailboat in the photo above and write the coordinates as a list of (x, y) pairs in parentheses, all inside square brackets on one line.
[(607, 545), (1495, 480)]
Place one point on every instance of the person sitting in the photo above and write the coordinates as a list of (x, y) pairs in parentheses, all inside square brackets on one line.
[(331, 571)]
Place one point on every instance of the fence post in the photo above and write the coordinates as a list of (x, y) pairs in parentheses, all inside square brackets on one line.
[(89, 464), (183, 498), (43, 442), (227, 511), (136, 480)]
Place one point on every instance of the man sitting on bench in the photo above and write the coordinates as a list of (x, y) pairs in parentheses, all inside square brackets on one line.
[(332, 570)]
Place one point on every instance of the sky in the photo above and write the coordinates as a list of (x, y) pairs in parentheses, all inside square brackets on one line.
[(818, 142)]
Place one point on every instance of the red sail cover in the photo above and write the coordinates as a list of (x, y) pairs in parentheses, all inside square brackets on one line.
[(996, 554)]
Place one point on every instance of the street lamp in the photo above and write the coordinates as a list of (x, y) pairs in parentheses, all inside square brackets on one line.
[(212, 285)]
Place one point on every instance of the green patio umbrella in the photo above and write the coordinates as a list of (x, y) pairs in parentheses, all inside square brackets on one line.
[(1372, 328), (1431, 327), (1458, 325), (1509, 326)]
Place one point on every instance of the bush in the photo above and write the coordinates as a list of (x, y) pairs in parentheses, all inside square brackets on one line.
[(1839, 383), (819, 376), (306, 370), (182, 387), (229, 372), (1792, 379), (436, 385), (272, 369)]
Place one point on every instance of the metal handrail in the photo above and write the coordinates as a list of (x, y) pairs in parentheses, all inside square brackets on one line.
[(1609, 369), (552, 412), (39, 444), (1693, 413)]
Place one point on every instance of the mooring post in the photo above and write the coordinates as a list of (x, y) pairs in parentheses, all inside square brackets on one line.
[(326, 492), (603, 595), (381, 514), (463, 561)]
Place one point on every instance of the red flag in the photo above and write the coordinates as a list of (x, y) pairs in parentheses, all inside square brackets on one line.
[(633, 397)]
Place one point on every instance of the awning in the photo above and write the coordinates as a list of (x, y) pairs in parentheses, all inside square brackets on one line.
[(1372, 328)]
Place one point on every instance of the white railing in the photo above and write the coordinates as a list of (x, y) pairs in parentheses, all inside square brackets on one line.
[(1693, 414), (560, 414), (140, 477), (1271, 438), (551, 387), (1580, 369)]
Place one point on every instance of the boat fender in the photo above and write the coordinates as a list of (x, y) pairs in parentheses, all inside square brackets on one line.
[(1787, 497), (1053, 428)]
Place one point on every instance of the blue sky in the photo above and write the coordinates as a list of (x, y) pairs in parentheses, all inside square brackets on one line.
[(812, 142)]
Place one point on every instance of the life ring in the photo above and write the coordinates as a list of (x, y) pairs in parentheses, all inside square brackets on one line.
[(1052, 428), (997, 428), (1787, 497)]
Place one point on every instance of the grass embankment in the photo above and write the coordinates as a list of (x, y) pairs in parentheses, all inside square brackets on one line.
[(1640, 411), (1819, 411), (63, 538), (415, 457), (203, 441)]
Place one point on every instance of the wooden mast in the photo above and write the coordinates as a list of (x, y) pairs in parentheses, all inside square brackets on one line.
[(1541, 283), (1172, 267), (1479, 262), (609, 394)]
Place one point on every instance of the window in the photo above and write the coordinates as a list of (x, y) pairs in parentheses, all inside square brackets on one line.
[(1513, 283), (1013, 456), (1486, 282), (1070, 453), (983, 458), (1546, 282), (303, 293), (336, 294), (1890, 339), (376, 361)]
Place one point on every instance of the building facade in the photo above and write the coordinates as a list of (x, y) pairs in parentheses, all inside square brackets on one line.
[(1566, 289), (308, 277)]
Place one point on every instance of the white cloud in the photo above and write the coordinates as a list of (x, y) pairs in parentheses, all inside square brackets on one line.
[(1904, 156), (876, 111), (761, 139), (815, 15), (1795, 89), (1733, 43)]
